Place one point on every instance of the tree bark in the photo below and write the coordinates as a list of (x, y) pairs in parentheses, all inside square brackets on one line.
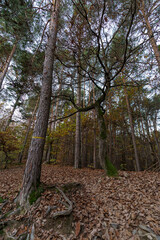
[(132, 128), (150, 32), (154, 156), (95, 164), (155, 137), (102, 137), (110, 127), (11, 115), (20, 157), (77, 160), (53, 124), (103, 157), (5, 68), (32, 173)]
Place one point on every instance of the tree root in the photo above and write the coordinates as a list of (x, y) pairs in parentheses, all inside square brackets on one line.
[(49, 210), (10, 213), (22, 236), (29, 235), (3, 224), (67, 204), (3, 205)]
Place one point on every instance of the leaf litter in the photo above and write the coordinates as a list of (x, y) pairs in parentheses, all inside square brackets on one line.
[(103, 207)]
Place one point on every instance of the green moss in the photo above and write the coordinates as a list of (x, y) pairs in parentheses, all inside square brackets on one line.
[(1, 232), (100, 112), (103, 131), (123, 166), (35, 194), (53, 161), (90, 166), (110, 168), (1, 200)]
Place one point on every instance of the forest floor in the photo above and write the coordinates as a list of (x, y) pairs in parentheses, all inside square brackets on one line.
[(103, 208)]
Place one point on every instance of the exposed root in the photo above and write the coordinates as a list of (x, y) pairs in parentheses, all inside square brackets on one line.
[(3, 224), (67, 204), (22, 236), (3, 205), (49, 209), (10, 213), (6, 223), (32, 232)]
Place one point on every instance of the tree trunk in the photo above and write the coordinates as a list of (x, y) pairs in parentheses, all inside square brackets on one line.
[(11, 115), (150, 32), (84, 161), (5, 68), (103, 158), (155, 137), (110, 127), (154, 157), (132, 128), (20, 157), (53, 124), (95, 164), (77, 160), (32, 173)]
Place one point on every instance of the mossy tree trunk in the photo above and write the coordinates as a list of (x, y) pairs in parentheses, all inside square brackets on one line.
[(32, 173), (103, 157)]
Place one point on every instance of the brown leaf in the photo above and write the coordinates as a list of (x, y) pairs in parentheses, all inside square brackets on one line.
[(78, 229)]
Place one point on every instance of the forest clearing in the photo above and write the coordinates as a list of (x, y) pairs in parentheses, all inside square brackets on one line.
[(80, 119), (126, 207)]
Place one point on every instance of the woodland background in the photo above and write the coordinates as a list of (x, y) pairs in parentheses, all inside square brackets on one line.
[(94, 40), (79, 103)]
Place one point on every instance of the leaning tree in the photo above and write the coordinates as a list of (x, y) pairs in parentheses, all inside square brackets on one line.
[(32, 173)]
